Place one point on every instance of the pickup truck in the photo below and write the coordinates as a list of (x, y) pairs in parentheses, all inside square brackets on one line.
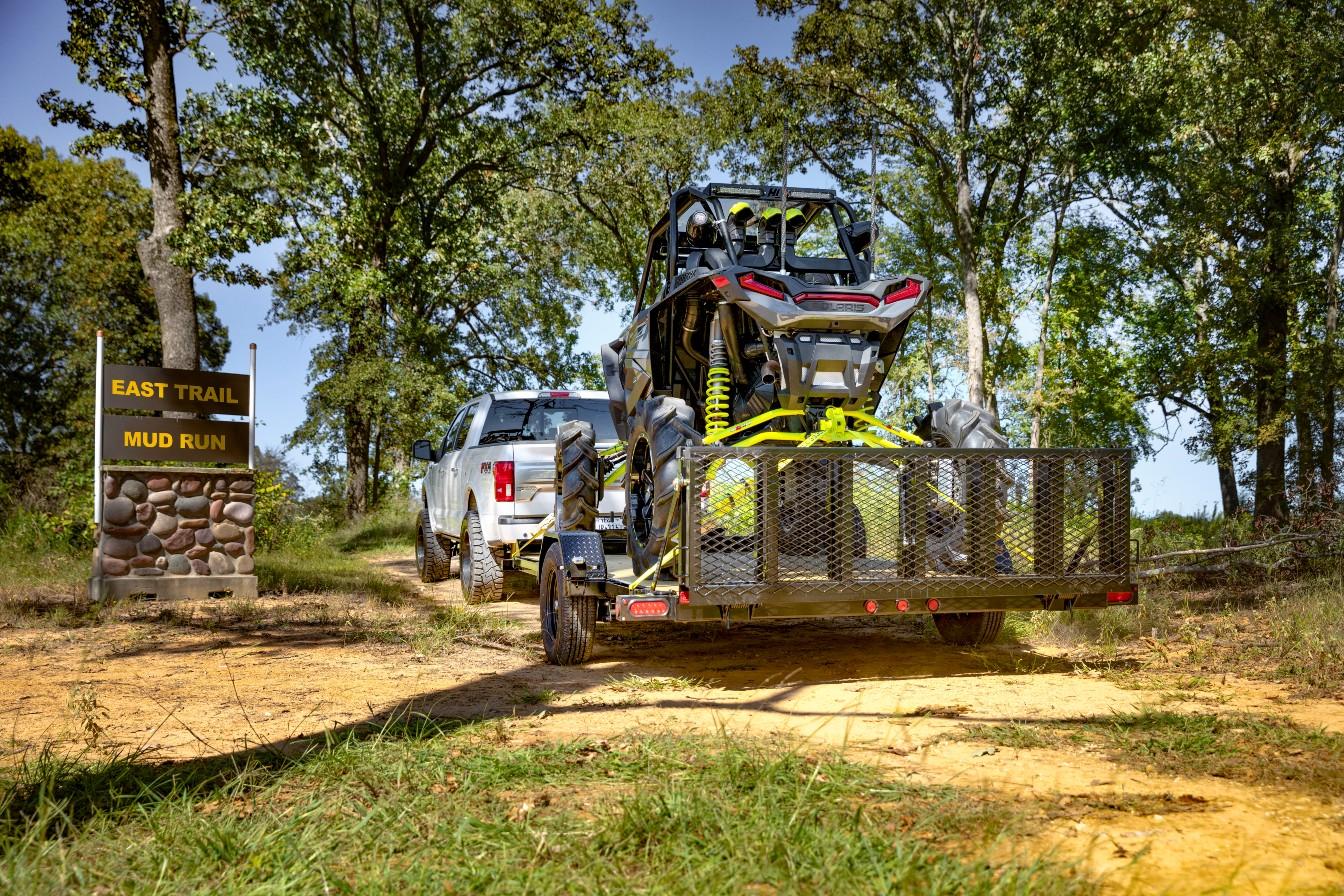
[(490, 484)]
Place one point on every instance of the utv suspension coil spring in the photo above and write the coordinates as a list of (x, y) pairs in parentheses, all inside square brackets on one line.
[(717, 384)]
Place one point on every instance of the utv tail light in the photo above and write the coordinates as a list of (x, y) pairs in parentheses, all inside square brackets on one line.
[(903, 293), (760, 287), (1119, 597), (719, 281), (503, 480)]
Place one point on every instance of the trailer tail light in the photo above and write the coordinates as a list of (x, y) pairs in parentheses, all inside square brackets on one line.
[(760, 287), (503, 480), (646, 607), (933, 604), (1119, 597), (902, 605), (870, 606), (903, 293)]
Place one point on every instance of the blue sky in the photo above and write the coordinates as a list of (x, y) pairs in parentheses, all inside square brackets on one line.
[(701, 34)]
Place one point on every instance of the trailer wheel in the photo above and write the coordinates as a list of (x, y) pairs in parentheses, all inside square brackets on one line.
[(662, 424), (482, 579), (577, 474), (969, 629), (567, 621), (432, 561)]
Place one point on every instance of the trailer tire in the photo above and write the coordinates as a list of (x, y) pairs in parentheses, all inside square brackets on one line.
[(969, 629), (482, 579), (661, 425), (577, 472), (567, 621), (432, 560)]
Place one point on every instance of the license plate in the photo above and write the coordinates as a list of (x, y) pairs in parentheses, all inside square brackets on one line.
[(610, 523)]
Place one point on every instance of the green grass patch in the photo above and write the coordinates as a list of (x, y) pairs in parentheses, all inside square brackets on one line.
[(1242, 746), (419, 807), (330, 561), (634, 683)]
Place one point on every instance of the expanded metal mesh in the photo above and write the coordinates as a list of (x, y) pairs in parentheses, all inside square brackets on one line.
[(774, 522)]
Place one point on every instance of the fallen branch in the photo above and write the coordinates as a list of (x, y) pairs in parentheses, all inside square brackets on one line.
[(1235, 549)]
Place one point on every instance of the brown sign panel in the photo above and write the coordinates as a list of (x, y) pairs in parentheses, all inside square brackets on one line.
[(165, 389), (157, 438)]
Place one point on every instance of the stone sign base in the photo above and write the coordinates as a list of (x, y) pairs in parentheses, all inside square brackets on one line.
[(175, 532), (171, 588)]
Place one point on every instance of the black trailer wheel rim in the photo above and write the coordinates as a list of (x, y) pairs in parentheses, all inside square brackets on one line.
[(641, 491)]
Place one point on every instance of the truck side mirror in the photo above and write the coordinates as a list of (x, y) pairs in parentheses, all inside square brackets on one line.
[(423, 450), (862, 234)]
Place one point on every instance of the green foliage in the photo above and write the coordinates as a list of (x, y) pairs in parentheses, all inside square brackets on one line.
[(420, 806)]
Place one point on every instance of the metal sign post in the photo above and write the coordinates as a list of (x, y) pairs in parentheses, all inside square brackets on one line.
[(98, 451), (252, 408)]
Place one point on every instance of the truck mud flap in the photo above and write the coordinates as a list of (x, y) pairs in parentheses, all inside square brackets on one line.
[(788, 524)]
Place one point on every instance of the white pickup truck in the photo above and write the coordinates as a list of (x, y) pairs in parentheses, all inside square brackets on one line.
[(490, 483)]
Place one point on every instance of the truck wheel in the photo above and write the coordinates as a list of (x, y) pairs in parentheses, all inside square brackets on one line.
[(969, 629), (567, 621), (482, 579), (432, 561), (576, 475), (662, 424)]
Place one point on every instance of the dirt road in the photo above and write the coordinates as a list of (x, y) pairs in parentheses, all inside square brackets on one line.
[(882, 691)]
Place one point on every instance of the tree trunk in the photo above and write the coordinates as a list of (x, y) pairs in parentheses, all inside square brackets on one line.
[(1270, 363), (174, 292), (376, 475), (1210, 381), (1038, 390), (970, 284), (1308, 497), (356, 461), (1326, 456), (1227, 481)]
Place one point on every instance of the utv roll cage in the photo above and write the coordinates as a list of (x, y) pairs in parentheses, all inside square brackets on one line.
[(667, 241)]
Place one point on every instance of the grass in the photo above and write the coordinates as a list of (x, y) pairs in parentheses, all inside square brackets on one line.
[(1241, 746), (420, 807), (638, 684), (333, 563)]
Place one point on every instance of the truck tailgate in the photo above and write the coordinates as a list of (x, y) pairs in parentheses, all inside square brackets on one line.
[(534, 483)]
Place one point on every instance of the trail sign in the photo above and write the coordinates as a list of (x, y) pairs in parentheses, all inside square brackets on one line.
[(160, 438), (166, 389)]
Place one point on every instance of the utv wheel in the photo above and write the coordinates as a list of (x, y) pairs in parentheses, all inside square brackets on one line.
[(432, 560), (959, 424), (576, 476), (969, 629), (652, 512), (567, 621), (482, 579)]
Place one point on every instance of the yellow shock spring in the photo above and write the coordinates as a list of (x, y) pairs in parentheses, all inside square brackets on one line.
[(716, 400)]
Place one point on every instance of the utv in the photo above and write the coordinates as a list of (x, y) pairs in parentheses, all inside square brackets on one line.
[(760, 483)]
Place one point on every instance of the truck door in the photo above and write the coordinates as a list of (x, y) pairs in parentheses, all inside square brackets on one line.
[(456, 476), (436, 476)]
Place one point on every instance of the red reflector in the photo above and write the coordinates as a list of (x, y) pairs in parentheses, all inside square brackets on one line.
[(909, 291), (503, 480), (1119, 597), (870, 606), (683, 597), (932, 604), (902, 605), (750, 283), (719, 281), (648, 607)]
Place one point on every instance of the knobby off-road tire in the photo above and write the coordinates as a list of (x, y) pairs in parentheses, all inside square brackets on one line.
[(482, 579), (955, 423), (567, 621), (653, 514), (432, 560), (576, 476)]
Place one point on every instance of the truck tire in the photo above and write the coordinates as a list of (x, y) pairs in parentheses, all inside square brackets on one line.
[(567, 621), (969, 629), (955, 423), (482, 579), (432, 561), (661, 425), (576, 476)]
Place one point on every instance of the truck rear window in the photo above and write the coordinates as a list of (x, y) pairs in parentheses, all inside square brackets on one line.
[(538, 419)]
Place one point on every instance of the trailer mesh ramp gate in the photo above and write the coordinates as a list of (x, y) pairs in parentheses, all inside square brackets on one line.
[(787, 524)]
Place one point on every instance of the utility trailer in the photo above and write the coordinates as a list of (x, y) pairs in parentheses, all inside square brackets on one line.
[(784, 532)]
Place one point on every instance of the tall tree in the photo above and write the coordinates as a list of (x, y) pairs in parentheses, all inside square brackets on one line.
[(127, 48), (397, 146)]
